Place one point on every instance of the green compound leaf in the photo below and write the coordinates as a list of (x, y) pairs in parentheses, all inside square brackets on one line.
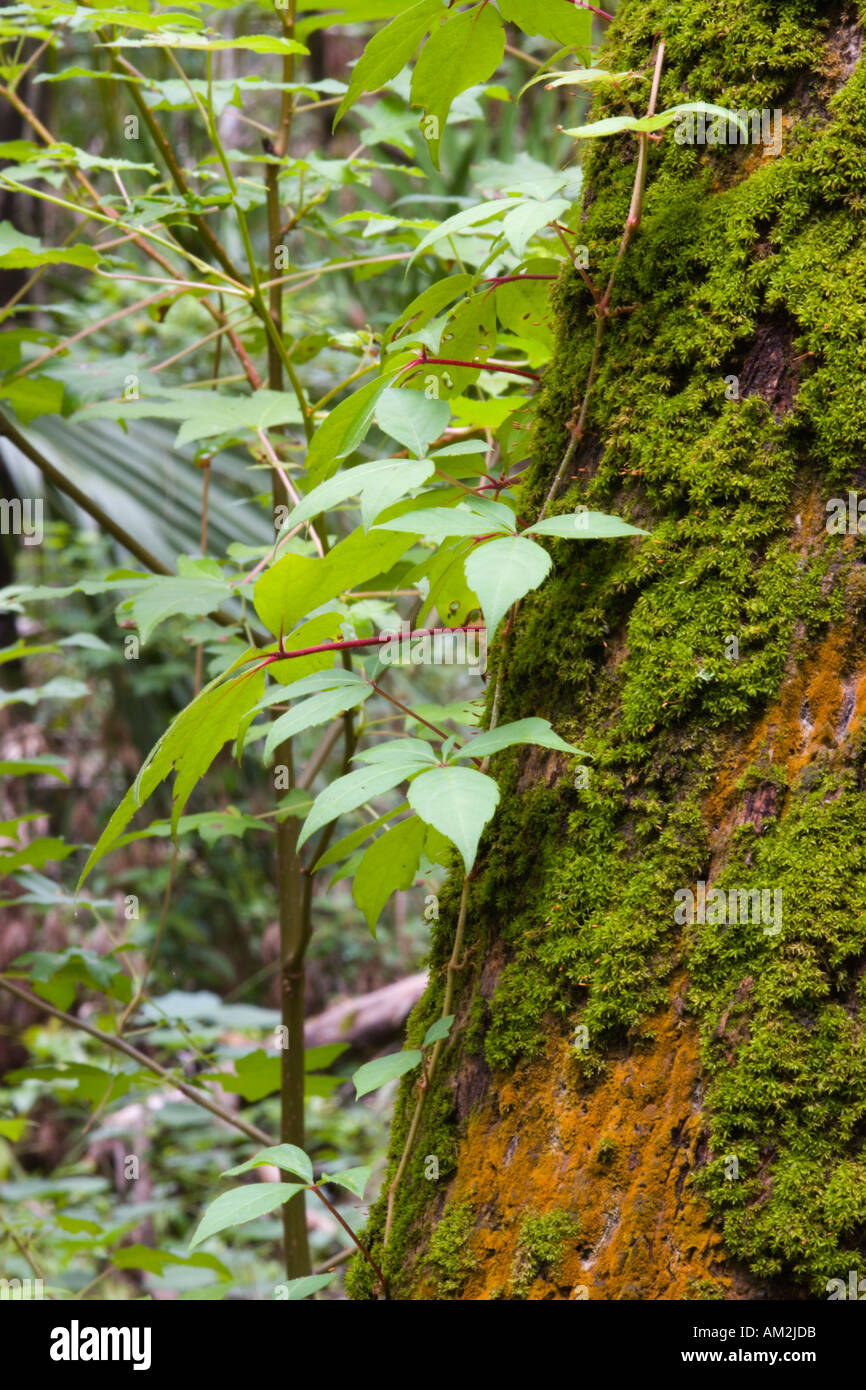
[(307, 1284), (378, 484), (558, 20), (188, 747), (461, 53), (298, 584), (352, 791), (20, 252), (412, 418), (439, 1030), (613, 125), (320, 709), (355, 1179)]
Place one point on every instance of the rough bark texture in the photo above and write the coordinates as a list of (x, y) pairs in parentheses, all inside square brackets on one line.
[(709, 1141)]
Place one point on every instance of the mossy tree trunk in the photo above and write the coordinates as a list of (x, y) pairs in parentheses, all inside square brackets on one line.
[(634, 1106)]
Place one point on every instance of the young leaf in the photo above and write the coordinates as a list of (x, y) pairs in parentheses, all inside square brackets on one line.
[(303, 1286), (286, 1156), (585, 526), (355, 1179), (242, 1204), (374, 1074), (581, 77), (438, 1030), (536, 731), (501, 572), (613, 125), (459, 802)]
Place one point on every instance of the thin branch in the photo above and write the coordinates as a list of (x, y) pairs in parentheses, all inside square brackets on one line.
[(453, 967), (66, 486), (602, 308), (200, 1098), (350, 643), (25, 1253)]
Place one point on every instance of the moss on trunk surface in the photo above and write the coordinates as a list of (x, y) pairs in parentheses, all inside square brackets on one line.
[(674, 1110)]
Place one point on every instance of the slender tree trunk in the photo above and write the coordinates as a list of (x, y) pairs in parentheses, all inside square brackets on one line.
[(634, 1104)]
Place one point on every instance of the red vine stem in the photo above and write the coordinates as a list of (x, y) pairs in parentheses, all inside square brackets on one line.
[(581, 5), (350, 644), (491, 365)]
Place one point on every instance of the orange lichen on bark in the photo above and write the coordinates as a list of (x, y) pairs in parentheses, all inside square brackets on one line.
[(616, 1155), (821, 703)]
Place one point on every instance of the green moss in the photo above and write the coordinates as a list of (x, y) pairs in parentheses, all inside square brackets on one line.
[(541, 1248), (592, 918), (449, 1256), (626, 649), (606, 1152), (705, 1291), (784, 1045)]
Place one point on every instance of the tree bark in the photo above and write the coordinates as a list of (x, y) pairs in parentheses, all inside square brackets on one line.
[(633, 1105)]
